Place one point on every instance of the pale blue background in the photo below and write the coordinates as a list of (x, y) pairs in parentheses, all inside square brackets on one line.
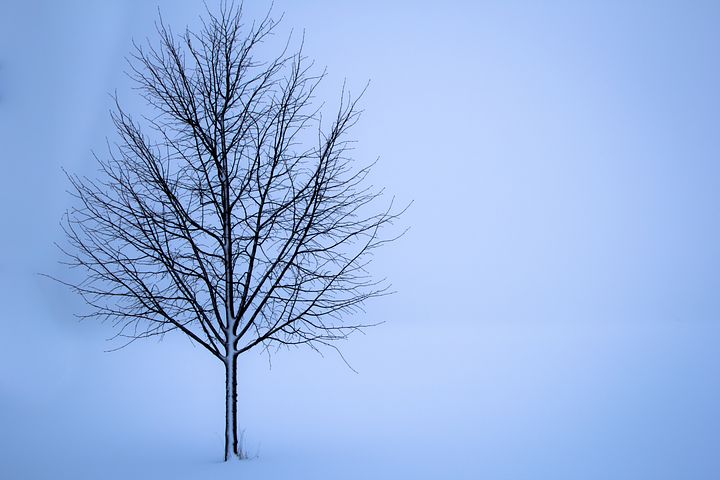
[(557, 314)]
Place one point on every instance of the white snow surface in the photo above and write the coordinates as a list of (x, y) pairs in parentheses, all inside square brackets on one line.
[(484, 400)]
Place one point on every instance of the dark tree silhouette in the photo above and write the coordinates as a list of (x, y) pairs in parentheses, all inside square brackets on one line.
[(232, 214)]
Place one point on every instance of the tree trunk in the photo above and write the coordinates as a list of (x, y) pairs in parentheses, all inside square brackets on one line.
[(231, 431)]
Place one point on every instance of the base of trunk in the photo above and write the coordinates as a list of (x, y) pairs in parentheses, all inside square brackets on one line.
[(232, 444)]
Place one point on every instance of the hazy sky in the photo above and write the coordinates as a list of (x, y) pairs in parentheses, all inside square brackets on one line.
[(557, 307)]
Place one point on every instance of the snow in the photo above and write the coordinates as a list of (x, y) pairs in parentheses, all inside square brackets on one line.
[(592, 400)]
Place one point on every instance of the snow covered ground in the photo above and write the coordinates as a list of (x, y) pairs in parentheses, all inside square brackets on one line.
[(484, 399)]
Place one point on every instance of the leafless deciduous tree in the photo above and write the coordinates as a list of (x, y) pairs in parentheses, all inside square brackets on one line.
[(234, 214)]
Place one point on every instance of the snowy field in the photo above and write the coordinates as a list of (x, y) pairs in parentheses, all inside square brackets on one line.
[(590, 400)]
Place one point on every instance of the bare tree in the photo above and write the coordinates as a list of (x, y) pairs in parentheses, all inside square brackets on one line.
[(233, 214)]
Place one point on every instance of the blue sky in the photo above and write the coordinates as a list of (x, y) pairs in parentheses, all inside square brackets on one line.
[(557, 307)]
